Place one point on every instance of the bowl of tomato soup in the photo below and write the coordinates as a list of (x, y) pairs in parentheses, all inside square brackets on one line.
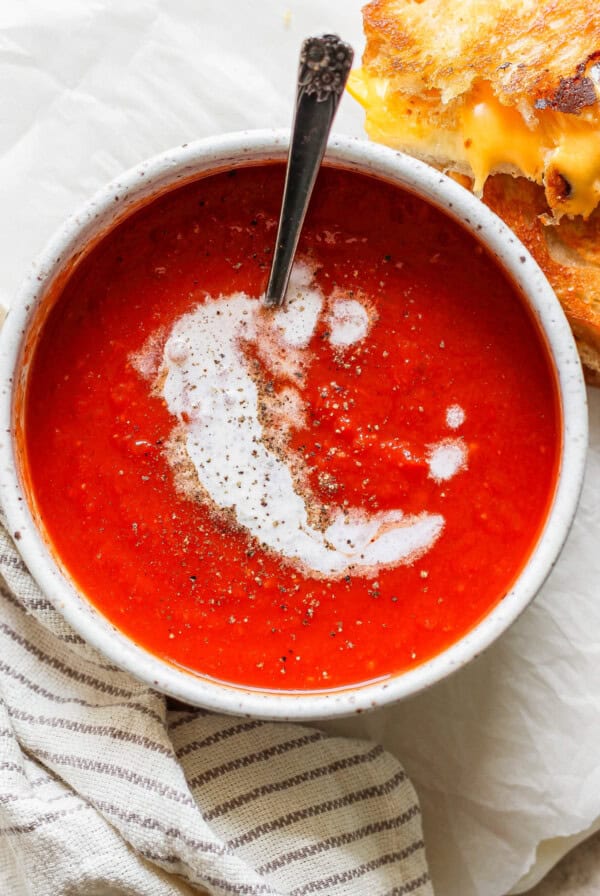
[(302, 512)]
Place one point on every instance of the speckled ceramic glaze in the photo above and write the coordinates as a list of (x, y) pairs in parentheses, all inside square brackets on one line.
[(140, 185)]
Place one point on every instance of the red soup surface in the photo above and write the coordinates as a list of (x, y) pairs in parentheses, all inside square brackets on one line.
[(300, 499)]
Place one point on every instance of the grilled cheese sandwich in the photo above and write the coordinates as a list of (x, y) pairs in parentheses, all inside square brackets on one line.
[(505, 95), (461, 83), (555, 149)]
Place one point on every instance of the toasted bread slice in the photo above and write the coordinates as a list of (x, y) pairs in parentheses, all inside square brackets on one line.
[(506, 94), (488, 86), (568, 252)]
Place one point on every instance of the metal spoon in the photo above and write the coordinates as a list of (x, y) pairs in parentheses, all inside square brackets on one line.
[(324, 67)]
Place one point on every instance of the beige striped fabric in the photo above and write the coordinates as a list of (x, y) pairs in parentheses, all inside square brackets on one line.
[(106, 788)]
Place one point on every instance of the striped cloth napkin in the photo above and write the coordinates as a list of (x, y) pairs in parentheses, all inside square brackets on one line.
[(107, 788)]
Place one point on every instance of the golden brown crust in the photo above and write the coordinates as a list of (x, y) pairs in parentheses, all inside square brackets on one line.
[(535, 53), (568, 252)]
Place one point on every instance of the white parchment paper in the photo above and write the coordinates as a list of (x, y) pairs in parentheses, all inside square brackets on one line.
[(505, 754)]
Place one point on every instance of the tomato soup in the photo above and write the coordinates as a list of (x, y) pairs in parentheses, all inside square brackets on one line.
[(301, 498)]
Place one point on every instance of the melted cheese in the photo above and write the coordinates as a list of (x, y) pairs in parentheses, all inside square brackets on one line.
[(483, 135), (496, 137), (400, 121)]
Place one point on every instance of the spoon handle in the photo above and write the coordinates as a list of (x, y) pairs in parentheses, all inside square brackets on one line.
[(324, 67)]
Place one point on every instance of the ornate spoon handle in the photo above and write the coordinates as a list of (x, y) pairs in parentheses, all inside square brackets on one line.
[(324, 66)]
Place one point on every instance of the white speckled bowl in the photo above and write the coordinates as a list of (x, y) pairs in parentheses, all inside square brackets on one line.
[(137, 187)]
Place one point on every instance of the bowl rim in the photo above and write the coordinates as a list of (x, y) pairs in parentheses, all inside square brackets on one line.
[(166, 171)]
